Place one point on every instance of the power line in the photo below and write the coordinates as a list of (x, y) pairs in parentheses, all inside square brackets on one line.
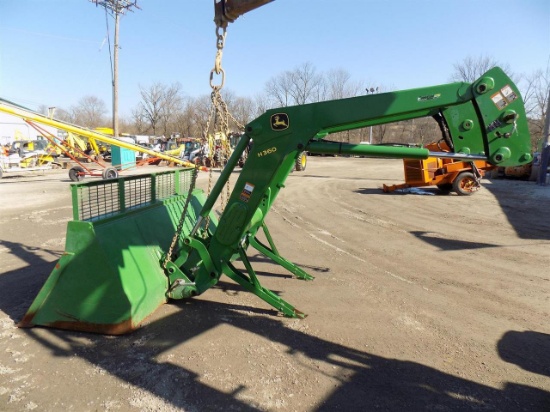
[(53, 36), (116, 6)]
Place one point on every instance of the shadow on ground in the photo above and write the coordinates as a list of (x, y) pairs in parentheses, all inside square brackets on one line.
[(529, 350), (450, 244), (370, 383), (373, 382), (18, 287), (525, 209)]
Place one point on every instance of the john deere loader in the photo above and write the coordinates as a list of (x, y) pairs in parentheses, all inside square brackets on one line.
[(137, 242)]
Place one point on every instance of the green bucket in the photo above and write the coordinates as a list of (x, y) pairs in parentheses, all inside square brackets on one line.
[(110, 277)]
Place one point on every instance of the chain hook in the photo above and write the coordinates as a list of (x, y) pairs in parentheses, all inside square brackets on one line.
[(220, 43)]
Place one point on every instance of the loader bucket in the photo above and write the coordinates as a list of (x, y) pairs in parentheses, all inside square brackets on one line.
[(110, 277)]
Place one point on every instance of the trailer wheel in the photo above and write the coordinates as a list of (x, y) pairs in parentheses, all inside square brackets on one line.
[(445, 188), (110, 173), (301, 162), (76, 174), (465, 184)]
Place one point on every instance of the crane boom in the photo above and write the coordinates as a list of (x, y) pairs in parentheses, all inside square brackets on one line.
[(227, 11)]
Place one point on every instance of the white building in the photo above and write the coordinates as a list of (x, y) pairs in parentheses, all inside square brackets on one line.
[(13, 128)]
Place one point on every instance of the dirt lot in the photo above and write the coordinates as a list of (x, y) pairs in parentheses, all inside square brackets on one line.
[(420, 303)]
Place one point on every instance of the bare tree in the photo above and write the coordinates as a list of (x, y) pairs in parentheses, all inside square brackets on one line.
[(55, 112), (262, 103), (471, 68), (379, 133), (63, 115), (278, 89), (340, 85), (159, 106), (243, 110), (139, 121), (536, 87), (172, 106), (201, 112), (232, 102), (299, 86), (184, 122), (149, 110), (306, 84), (126, 125), (89, 112), (426, 130)]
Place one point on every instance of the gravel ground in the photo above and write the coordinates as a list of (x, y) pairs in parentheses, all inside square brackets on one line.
[(420, 302)]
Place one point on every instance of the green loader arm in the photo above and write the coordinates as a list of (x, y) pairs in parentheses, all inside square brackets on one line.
[(484, 120)]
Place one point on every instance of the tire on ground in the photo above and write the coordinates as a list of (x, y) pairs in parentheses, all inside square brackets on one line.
[(76, 173), (109, 173), (465, 184)]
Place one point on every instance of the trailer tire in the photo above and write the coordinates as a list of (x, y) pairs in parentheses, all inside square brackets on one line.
[(109, 173), (301, 162), (465, 184), (76, 173)]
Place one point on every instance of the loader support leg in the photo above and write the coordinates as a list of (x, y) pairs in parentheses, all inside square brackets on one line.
[(252, 284), (272, 253)]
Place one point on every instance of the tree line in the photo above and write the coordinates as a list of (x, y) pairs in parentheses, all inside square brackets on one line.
[(165, 110)]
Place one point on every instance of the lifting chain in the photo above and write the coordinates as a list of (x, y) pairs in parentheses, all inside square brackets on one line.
[(220, 115), (220, 42), (179, 228), (218, 70)]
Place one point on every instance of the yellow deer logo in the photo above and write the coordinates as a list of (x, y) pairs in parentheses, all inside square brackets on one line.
[(279, 121)]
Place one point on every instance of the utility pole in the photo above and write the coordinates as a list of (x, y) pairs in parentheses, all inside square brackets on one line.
[(372, 90), (116, 8)]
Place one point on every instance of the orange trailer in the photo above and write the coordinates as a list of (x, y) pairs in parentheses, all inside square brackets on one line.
[(448, 175)]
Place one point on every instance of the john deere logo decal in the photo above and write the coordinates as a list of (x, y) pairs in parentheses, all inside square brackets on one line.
[(279, 121)]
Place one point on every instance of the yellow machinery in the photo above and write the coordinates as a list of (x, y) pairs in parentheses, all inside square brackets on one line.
[(26, 156), (219, 150), (77, 173)]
